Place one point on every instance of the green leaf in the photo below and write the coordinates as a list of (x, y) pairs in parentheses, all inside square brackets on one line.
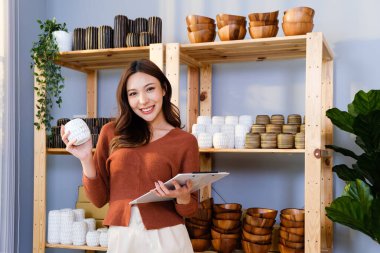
[(365, 103), (375, 224), (369, 166), (367, 127), (353, 209), (341, 119), (343, 151), (347, 174)]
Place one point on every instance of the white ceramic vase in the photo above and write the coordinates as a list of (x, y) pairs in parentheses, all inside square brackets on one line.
[(54, 219), (64, 40)]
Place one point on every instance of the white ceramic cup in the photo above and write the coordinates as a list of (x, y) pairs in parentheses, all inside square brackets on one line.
[(78, 130)]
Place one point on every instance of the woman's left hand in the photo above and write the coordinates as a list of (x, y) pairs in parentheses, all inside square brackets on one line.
[(181, 193)]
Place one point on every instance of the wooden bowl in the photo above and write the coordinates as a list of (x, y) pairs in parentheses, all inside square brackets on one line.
[(264, 16), (227, 231), (189, 224), (262, 212), (257, 230), (228, 216), (226, 224), (203, 214), (284, 249), (291, 237), (266, 31), (197, 19), (291, 224), (224, 245), (200, 245), (197, 27), (297, 28), (259, 222), (232, 32), (225, 208), (257, 238), (297, 16), (222, 23), (199, 222), (293, 214), (229, 17), (197, 232), (293, 245), (262, 23), (306, 10), (201, 36), (250, 247), (297, 231), (216, 235)]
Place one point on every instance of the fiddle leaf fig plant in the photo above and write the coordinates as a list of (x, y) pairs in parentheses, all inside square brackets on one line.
[(359, 206), (49, 80)]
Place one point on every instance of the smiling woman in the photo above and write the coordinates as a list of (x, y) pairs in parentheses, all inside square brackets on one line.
[(7, 126)]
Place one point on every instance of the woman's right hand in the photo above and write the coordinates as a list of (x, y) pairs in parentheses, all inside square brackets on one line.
[(82, 152)]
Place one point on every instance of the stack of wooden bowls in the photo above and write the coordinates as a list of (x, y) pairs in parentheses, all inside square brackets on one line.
[(231, 27), (263, 25), (199, 226), (298, 21), (257, 230), (226, 229), (200, 29), (292, 231)]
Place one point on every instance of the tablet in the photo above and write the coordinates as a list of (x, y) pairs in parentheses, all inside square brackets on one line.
[(199, 180)]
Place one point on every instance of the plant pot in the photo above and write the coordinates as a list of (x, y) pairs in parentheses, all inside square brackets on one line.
[(64, 40)]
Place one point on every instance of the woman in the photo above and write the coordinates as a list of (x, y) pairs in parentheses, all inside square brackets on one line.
[(143, 148)]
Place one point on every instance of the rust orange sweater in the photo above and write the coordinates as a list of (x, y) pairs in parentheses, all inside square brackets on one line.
[(130, 172)]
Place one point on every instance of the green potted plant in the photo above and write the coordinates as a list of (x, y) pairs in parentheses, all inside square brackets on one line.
[(48, 75), (359, 205)]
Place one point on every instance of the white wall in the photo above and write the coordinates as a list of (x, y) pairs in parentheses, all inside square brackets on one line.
[(350, 28)]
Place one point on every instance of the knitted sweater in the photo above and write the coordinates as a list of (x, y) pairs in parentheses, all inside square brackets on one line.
[(130, 172)]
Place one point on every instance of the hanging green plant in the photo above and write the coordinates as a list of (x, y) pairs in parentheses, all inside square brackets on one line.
[(48, 75), (359, 206)]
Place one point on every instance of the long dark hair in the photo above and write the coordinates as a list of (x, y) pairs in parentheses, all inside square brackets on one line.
[(130, 129)]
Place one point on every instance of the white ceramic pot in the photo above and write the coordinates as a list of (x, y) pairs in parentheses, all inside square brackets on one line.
[(217, 120), (220, 140), (198, 128), (66, 226), (78, 130), (79, 233), (78, 214), (64, 40), (205, 120), (54, 220), (92, 238), (205, 140), (233, 120), (91, 224), (103, 238)]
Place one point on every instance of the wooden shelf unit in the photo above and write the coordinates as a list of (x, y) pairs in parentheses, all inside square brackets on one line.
[(199, 59), (318, 98)]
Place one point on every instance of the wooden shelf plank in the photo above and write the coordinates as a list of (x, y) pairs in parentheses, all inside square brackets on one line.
[(62, 151), (84, 60), (245, 50), (62, 246), (281, 151)]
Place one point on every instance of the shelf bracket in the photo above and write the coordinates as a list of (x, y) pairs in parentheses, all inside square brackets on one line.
[(319, 153)]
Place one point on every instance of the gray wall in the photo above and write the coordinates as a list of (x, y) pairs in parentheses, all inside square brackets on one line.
[(28, 13), (274, 181)]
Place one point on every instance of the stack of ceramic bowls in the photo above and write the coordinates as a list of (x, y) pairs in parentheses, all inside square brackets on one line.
[(200, 29), (257, 229), (299, 140), (292, 230), (277, 119), (298, 21), (252, 140), (231, 27), (285, 140), (268, 140), (105, 36), (198, 226), (79, 39), (263, 25), (121, 28), (226, 229), (91, 41), (155, 28)]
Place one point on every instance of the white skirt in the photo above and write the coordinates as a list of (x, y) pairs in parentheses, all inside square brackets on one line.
[(135, 238)]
